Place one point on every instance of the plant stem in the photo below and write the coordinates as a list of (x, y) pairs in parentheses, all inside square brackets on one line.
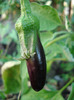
[(66, 85), (60, 91), (25, 7), (58, 59), (57, 39)]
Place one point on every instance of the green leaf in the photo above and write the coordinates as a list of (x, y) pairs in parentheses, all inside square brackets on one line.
[(57, 45), (67, 53), (71, 96), (72, 36), (7, 34), (47, 16), (2, 95), (4, 6), (68, 66), (6, 40), (24, 77), (4, 29), (46, 37), (42, 95), (11, 76), (4, 33), (53, 51), (51, 87), (13, 35), (57, 96)]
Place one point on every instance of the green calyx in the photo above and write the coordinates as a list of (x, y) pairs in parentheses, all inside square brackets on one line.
[(27, 27)]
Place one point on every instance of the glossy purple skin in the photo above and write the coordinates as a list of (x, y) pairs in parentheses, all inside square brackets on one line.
[(37, 67)]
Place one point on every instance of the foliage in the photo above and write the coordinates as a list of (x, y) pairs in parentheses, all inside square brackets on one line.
[(46, 15), (71, 96), (11, 76), (43, 94), (57, 39)]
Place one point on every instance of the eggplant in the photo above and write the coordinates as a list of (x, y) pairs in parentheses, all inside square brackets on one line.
[(36, 65)]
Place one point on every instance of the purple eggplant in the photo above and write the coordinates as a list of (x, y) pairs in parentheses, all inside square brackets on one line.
[(37, 67)]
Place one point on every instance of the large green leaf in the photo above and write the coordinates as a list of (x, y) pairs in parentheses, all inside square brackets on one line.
[(47, 16), (11, 76), (71, 96), (42, 95)]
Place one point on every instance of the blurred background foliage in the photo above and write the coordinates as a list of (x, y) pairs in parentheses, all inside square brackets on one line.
[(58, 43)]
